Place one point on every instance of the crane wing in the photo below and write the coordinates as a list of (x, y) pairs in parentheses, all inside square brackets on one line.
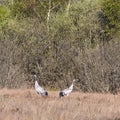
[(68, 90), (38, 88)]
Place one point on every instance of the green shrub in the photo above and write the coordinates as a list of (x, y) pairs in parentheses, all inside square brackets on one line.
[(111, 10), (4, 15)]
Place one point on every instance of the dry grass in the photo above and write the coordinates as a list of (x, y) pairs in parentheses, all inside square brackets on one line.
[(27, 105)]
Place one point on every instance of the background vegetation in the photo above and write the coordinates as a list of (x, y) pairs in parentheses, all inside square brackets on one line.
[(60, 41)]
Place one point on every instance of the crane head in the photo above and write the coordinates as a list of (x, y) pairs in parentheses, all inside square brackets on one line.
[(75, 80), (35, 76)]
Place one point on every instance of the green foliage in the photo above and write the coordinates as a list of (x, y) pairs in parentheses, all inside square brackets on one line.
[(81, 25), (35, 8), (4, 15), (111, 10), (21, 8)]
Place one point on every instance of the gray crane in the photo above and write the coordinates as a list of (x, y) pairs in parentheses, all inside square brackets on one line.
[(67, 91), (39, 89)]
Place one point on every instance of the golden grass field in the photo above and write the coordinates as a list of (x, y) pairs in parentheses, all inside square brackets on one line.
[(17, 104)]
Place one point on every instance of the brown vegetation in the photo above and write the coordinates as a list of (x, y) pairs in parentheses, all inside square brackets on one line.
[(59, 46), (16, 104)]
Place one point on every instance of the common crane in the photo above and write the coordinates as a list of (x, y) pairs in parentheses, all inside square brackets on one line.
[(67, 91), (39, 89)]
